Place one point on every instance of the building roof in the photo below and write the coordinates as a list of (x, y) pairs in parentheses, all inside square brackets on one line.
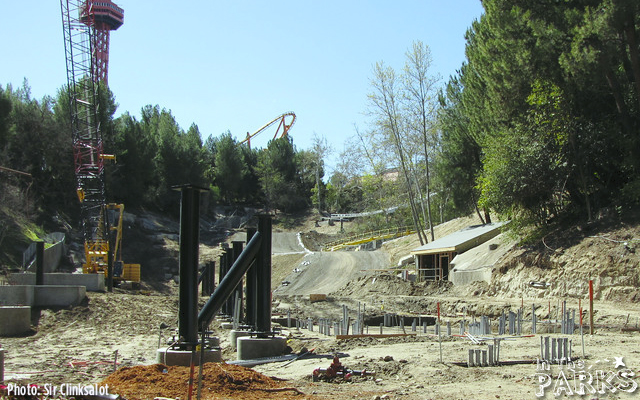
[(461, 240)]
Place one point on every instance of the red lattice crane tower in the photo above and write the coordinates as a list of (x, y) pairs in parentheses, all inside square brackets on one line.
[(104, 16), (86, 25)]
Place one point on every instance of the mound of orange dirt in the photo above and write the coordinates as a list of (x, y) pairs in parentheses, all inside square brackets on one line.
[(219, 381)]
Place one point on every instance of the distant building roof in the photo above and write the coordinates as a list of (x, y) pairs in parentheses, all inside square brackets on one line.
[(462, 240)]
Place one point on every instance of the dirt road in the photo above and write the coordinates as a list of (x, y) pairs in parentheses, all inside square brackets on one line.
[(326, 272), (322, 272), (286, 243)]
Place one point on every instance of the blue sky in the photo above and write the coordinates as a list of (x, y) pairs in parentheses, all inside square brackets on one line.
[(235, 65)]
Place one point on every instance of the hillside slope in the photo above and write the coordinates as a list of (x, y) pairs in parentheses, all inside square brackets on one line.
[(567, 258)]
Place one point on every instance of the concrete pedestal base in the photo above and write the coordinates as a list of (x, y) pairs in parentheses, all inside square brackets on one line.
[(42, 296), (168, 356), (93, 282), (226, 325), (234, 335), (250, 347), (16, 320)]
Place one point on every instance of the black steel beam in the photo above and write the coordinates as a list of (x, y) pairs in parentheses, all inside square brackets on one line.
[(263, 264), (40, 262), (252, 287), (189, 241), (236, 251)]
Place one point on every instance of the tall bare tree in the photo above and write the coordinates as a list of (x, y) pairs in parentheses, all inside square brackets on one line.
[(385, 101), (320, 149), (420, 101)]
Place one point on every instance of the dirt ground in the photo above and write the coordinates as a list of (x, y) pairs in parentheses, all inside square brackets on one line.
[(81, 345)]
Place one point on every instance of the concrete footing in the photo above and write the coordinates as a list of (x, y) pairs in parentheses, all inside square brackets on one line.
[(251, 347), (58, 296), (234, 335), (93, 282), (169, 356), (42, 296), (16, 295), (16, 320)]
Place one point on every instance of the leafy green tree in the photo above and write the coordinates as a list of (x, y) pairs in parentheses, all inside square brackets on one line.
[(250, 189), (279, 176), (134, 175), (230, 168), (5, 110), (37, 144), (459, 160)]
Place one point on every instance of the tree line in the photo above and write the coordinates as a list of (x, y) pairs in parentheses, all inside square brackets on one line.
[(153, 153), (542, 120)]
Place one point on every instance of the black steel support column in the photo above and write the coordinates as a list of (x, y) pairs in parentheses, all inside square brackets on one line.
[(226, 260), (189, 241), (252, 287), (110, 269), (40, 263), (236, 250), (206, 279), (221, 272), (210, 278), (263, 264)]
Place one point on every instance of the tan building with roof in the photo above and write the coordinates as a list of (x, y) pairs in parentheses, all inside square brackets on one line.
[(433, 259)]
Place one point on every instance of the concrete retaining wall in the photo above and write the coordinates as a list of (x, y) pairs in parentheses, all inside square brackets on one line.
[(16, 320), (52, 254), (58, 296), (93, 282), (466, 277), (41, 296)]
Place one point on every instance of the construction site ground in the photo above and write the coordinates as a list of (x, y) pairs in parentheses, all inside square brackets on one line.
[(79, 345)]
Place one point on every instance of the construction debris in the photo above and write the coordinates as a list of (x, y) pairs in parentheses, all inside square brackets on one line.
[(338, 371)]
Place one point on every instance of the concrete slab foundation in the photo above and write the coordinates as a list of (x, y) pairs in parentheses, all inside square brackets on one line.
[(93, 282), (169, 356), (250, 347), (16, 320), (226, 325), (41, 296)]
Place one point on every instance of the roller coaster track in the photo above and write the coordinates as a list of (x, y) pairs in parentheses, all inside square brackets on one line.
[(281, 120), (338, 217), (366, 237)]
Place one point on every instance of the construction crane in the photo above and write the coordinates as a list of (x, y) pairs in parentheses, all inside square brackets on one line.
[(86, 53), (281, 120)]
